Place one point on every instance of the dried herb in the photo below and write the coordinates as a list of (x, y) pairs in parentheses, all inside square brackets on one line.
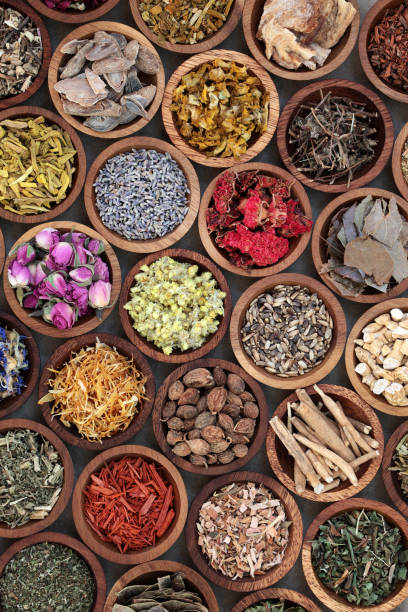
[(404, 161), (13, 363), (270, 605), (400, 464)]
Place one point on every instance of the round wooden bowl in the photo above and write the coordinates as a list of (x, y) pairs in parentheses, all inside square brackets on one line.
[(261, 581), (150, 349), (85, 324), (293, 597), (363, 390), (106, 550), (296, 245), (159, 427), (66, 540), (79, 161), (282, 463), (74, 16), (154, 244), (333, 354), (321, 229), (61, 356), (357, 93), (59, 59), (2, 251), (399, 179), (24, 9), (390, 479), (325, 595), (149, 572), (205, 45), (256, 144), (251, 17)]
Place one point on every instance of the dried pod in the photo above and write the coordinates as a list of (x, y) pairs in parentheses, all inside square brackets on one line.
[(199, 377), (189, 396), (186, 412), (211, 459), (238, 438), (173, 437), (204, 419), (194, 434), (231, 410), (251, 410), (176, 390), (147, 61), (240, 450), (226, 457), (189, 425), (246, 396), (198, 460), (199, 447), (235, 383), (220, 446), (225, 421), (202, 404), (182, 449), (175, 423), (245, 426), (216, 399), (168, 410), (220, 377), (234, 399), (212, 433)]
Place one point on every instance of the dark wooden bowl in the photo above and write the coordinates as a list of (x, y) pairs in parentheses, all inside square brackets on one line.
[(390, 479), (85, 324), (2, 251), (333, 354), (325, 595), (154, 244), (291, 596), (24, 9), (282, 463), (268, 578), (61, 356), (399, 179), (150, 349), (59, 59), (159, 428), (107, 550), (358, 93), (71, 16), (256, 145)]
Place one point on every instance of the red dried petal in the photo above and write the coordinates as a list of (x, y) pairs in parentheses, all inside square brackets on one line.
[(296, 223), (224, 191), (265, 248)]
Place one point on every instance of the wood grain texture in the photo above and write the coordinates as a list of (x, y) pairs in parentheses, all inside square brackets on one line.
[(26, 10), (150, 349), (72, 16), (328, 597), (107, 550), (256, 144), (376, 401), (205, 45), (62, 355), (59, 59), (2, 251), (390, 478), (358, 93), (287, 595), (251, 17), (85, 324), (319, 244), (79, 162), (333, 354), (193, 198), (399, 145), (282, 463), (262, 581), (260, 431), (148, 573)]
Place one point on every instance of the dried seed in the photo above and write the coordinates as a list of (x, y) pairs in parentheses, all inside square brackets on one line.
[(189, 396), (235, 384), (199, 447), (231, 410), (245, 426), (226, 457), (199, 377), (173, 437), (198, 460), (194, 434), (240, 450), (169, 410), (212, 433), (204, 419), (186, 412), (216, 399), (250, 410), (181, 449), (176, 390), (220, 377), (225, 422), (175, 423), (220, 446)]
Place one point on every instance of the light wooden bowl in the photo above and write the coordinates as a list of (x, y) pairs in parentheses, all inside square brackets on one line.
[(282, 463), (205, 45), (325, 595), (256, 144), (159, 427), (363, 390), (290, 596), (297, 245), (59, 59), (321, 229), (390, 479), (66, 540), (263, 580), (85, 324), (21, 6), (149, 572), (399, 180), (150, 349), (61, 356), (79, 162), (71, 16), (333, 354), (250, 20), (358, 93), (107, 550), (154, 244)]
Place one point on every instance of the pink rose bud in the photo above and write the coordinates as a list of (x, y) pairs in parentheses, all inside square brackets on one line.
[(18, 275), (77, 238), (62, 255), (62, 315), (37, 273), (25, 254), (79, 295), (99, 295), (47, 238), (101, 270), (54, 284), (82, 275), (30, 301), (81, 256), (95, 246)]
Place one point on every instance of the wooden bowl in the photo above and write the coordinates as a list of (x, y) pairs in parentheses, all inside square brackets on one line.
[(21, 6), (59, 59), (154, 244), (149, 572), (263, 580), (205, 45), (390, 479), (85, 324), (107, 550), (291, 596), (357, 93), (61, 356), (282, 463), (256, 144), (74, 16), (79, 162), (159, 429), (363, 390), (66, 540), (325, 595), (321, 229), (251, 17), (333, 354), (150, 349), (2, 251), (296, 245), (399, 179)]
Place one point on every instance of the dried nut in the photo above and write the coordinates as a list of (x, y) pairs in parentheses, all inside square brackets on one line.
[(225, 421), (250, 410), (216, 399), (200, 377), (199, 447), (198, 460), (173, 437), (220, 446), (212, 433), (246, 396), (189, 424), (175, 423), (234, 399), (169, 410), (232, 411), (181, 449), (238, 438), (189, 396), (220, 377), (194, 434), (187, 412), (211, 459), (235, 383), (226, 457), (245, 426), (175, 390), (202, 404), (204, 419), (240, 450)]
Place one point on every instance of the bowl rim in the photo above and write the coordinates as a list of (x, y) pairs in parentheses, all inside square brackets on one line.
[(399, 180), (275, 593), (390, 482), (71, 17)]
